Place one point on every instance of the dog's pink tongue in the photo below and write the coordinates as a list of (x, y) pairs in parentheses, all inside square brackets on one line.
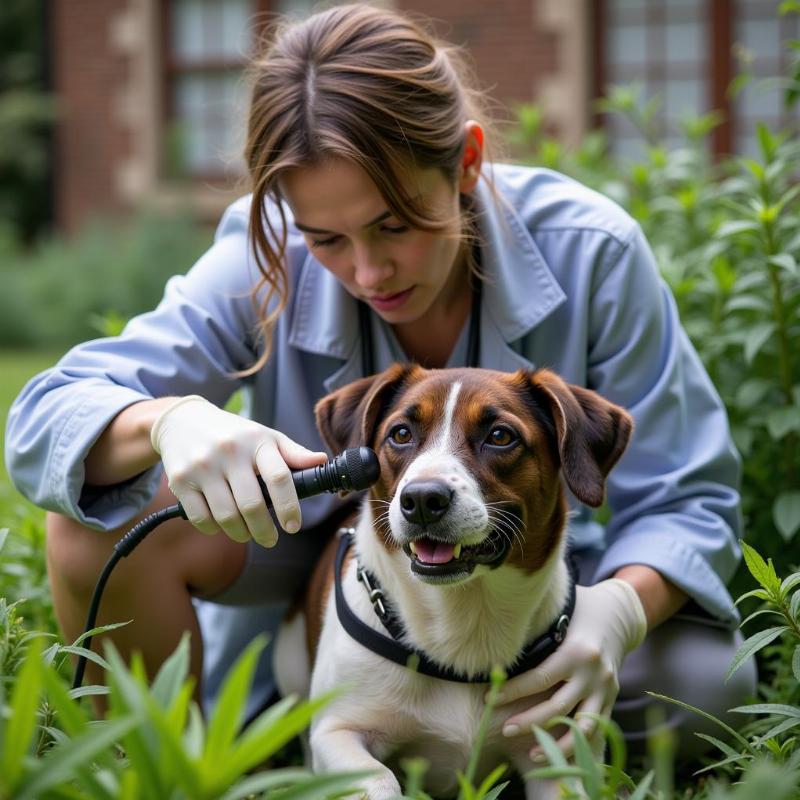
[(433, 552)]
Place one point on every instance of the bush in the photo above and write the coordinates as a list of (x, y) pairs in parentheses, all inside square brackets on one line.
[(54, 294), (726, 239)]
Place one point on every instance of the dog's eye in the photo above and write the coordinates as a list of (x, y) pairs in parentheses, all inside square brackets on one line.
[(400, 434), (500, 437)]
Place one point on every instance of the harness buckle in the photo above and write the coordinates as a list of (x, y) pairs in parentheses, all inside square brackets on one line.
[(561, 629), (375, 595)]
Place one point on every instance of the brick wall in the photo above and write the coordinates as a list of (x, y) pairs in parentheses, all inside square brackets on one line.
[(86, 74), (509, 50), (508, 47)]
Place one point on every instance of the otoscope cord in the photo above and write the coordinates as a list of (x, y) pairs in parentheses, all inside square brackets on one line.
[(122, 548)]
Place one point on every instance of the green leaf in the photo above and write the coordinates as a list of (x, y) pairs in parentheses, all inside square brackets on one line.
[(644, 787), (22, 724), (781, 421), (550, 748), (752, 392), (784, 261), (794, 606), (779, 709), (757, 337), (766, 141), (265, 736), (71, 716), (728, 751), (60, 763), (760, 613), (786, 514), (789, 583), (228, 714), (490, 780), (761, 594), (585, 759), (786, 725), (495, 793), (90, 655), (758, 567), (734, 228), (710, 717), (556, 772), (319, 786), (172, 675), (752, 645), (796, 663)]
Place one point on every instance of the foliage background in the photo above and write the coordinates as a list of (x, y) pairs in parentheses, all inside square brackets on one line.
[(726, 236)]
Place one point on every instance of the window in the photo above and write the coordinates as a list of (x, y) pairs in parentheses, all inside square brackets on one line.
[(208, 42), (688, 52), (660, 45)]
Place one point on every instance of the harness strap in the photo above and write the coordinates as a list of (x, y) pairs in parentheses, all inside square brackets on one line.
[(392, 649)]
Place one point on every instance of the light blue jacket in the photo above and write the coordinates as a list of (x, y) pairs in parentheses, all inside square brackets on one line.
[(571, 285)]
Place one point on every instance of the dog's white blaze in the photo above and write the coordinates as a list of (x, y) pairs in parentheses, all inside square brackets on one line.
[(442, 442)]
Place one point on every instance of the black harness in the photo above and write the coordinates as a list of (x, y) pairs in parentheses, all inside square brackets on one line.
[(393, 649)]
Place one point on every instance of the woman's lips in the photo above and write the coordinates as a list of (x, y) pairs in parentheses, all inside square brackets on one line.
[(389, 302)]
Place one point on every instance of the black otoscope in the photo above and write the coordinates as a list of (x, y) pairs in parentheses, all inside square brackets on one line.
[(350, 471)]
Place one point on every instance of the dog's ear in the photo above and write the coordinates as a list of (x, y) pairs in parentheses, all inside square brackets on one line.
[(349, 417), (591, 432)]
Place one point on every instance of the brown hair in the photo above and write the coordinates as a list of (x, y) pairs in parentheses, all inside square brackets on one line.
[(360, 83)]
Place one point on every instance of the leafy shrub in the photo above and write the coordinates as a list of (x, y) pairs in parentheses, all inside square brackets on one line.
[(54, 294), (725, 236)]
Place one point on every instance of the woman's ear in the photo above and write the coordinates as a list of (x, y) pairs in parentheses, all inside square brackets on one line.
[(472, 159)]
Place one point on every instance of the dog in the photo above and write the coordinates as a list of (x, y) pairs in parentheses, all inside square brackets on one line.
[(457, 565)]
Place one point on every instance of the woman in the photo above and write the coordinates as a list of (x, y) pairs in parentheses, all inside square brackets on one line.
[(376, 232)]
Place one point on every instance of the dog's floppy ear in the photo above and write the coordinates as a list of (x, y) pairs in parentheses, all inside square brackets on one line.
[(349, 417), (591, 432)]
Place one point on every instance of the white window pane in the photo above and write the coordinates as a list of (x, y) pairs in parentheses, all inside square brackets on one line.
[(210, 111), (761, 36), (187, 29), (211, 29), (683, 97), (684, 42), (237, 27), (294, 8), (758, 101), (627, 45)]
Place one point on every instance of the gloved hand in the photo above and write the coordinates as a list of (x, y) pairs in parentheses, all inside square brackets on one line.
[(608, 622), (211, 458)]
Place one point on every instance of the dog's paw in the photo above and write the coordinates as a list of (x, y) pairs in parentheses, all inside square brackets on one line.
[(384, 787)]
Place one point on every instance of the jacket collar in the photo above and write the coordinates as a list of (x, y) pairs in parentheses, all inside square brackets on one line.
[(520, 292)]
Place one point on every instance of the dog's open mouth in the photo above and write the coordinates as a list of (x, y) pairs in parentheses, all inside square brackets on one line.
[(435, 558)]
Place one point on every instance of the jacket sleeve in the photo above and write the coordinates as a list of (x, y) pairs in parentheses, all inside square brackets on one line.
[(674, 495), (190, 344)]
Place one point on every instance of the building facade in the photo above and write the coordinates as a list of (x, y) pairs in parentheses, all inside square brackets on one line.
[(153, 104)]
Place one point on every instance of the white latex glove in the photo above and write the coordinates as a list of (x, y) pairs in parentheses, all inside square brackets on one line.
[(211, 458), (608, 622)]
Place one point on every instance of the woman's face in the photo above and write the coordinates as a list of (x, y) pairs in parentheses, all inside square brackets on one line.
[(401, 272)]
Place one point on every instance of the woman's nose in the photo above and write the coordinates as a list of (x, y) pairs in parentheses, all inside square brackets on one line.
[(371, 268)]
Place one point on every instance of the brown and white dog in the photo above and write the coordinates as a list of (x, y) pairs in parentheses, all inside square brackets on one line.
[(465, 534)]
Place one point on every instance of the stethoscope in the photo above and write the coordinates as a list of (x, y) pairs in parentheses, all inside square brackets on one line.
[(473, 341)]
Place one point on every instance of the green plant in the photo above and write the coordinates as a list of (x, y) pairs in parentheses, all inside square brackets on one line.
[(64, 291), (154, 742)]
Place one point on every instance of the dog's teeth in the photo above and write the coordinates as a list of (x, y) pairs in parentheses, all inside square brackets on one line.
[(457, 550), (412, 547)]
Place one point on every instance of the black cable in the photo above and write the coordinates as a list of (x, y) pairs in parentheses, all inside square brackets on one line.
[(353, 470), (123, 548)]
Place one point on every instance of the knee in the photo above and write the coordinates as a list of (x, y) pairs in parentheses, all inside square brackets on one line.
[(75, 553)]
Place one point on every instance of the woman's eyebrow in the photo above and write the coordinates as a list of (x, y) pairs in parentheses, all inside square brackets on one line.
[(307, 229)]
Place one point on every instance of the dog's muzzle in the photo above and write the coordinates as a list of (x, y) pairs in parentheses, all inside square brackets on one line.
[(433, 553)]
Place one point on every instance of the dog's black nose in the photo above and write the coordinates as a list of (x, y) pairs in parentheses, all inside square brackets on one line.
[(425, 502)]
